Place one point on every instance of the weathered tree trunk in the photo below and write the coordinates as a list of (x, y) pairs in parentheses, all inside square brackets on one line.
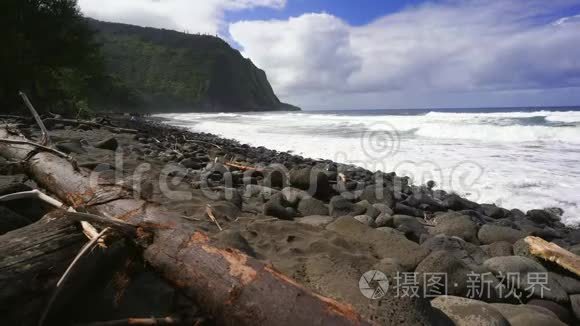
[(234, 288)]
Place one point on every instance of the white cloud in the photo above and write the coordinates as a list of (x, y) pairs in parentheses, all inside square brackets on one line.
[(195, 16), (454, 48)]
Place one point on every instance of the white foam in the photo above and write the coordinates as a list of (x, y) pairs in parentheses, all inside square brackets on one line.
[(489, 157)]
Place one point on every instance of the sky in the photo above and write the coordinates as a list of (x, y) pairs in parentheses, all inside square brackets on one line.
[(381, 54)]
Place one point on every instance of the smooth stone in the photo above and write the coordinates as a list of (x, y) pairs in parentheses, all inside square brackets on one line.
[(456, 225), (522, 266), (541, 216), (293, 195), (490, 233), (384, 209), (575, 304), (384, 220), (401, 209), (110, 144), (378, 194), (443, 262), (390, 230), (527, 315), (410, 226), (314, 181), (498, 249), (469, 253), (569, 282), (468, 312), (456, 203), (560, 311), (384, 244), (276, 207), (340, 206), (493, 211), (71, 146), (312, 206), (260, 191)]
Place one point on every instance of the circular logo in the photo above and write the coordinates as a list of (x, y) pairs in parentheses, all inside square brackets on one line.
[(380, 141), (373, 284)]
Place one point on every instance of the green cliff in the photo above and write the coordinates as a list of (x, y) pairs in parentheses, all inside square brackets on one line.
[(169, 71)]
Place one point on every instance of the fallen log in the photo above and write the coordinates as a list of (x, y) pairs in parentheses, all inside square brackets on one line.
[(232, 287), (552, 252), (71, 122)]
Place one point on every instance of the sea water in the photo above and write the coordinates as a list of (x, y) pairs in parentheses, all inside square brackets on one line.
[(515, 158)]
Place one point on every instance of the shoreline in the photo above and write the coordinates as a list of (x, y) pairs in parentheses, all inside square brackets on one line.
[(325, 224)]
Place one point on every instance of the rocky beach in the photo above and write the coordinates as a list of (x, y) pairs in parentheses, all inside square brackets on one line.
[(323, 224)]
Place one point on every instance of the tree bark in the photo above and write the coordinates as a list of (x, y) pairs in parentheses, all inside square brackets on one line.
[(232, 287)]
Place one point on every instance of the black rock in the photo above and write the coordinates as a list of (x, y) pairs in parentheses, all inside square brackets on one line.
[(407, 210), (191, 163), (314, 181), (493, 211), (378, 194), (71, 146), (340, 206), (111, 144), (542, 217), (312, 206), (277, 207), (456, 203)]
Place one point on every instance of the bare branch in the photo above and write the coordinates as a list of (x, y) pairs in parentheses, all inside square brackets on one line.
[(45, 141)]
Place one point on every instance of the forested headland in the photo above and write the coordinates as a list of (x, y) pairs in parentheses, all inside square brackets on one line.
[(68, 63)]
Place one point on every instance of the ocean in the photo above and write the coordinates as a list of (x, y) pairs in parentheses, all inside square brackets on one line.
[(515, 158)]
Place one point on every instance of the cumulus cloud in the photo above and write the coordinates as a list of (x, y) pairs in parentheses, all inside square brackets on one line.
[(447, 47), (195, 16)]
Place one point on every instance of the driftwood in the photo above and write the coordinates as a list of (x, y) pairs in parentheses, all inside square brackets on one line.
[(232, 287), (71, 122), (554, 253)]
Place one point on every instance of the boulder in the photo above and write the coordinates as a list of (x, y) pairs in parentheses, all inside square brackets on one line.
[(575, 304), (456, 225), (410, 226), (402, 209), (493, 211), (71, 146), (498, 249), (561, 312), (340, 206), (443, 262), (278, 207), (192, 163), (490, 233), (312, 180), (568, 281), (529, 277), (265, 193), (470, 254), (109, 144), (384, 209), (541, 216), (527, 315), (384, 220), (456, 203), (293, 196), (312, 206), (378, 194), (384, 244), (468, 312)]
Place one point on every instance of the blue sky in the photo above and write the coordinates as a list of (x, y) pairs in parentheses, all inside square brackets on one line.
[(335, 54)]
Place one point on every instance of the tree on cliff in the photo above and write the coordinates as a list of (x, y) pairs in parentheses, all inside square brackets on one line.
[(48, 51)]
